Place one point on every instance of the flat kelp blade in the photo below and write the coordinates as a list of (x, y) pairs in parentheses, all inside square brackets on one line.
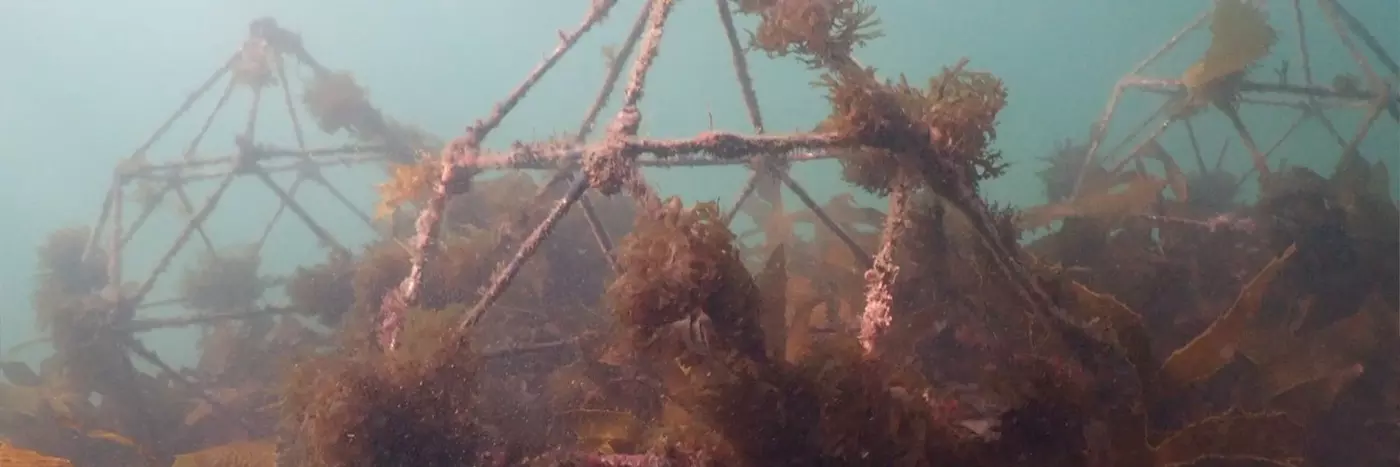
[(13, 456), (1130, 197), (1123, 324), (1308, 371), (804, 299), (19, 374), (1305, 401), (1240, 36), (598, 428), (1270, 436), (1215, 347), (1225, 461), (1175, 177), (1379, 183), (240, 454), (772, 289)]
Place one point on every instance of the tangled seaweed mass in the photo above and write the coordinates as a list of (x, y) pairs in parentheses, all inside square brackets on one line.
[(1157, 319)]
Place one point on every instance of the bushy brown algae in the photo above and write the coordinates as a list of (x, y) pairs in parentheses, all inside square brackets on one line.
[(66, 273), (325, 291), (1062, 170), (696, 314), (683, 267), (1159, 321), (413, 408), (225, 281), (954, 117), (818, 33)]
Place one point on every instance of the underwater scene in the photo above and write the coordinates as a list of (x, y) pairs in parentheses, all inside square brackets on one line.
[(826, 239)]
